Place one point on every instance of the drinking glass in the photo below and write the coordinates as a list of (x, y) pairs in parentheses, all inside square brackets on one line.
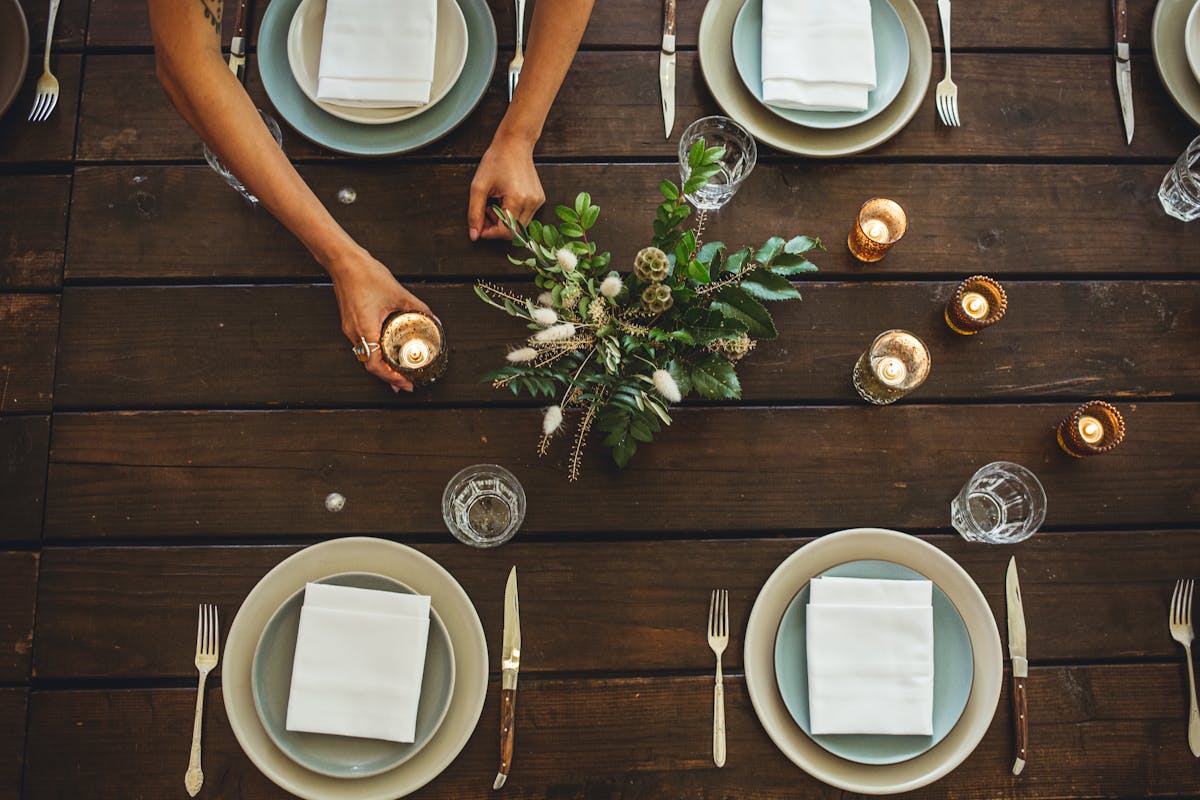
[(483, 505), (1180, 190), (741, 154), (229, 177), (1003, 503)]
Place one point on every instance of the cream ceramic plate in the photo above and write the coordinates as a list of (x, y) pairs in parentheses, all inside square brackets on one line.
[(423, 575), (1191, 40), (1167, 40), (759, 657), (721, 75), (304, 57)]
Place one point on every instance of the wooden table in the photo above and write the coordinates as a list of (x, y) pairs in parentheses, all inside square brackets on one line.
[(176, 401)]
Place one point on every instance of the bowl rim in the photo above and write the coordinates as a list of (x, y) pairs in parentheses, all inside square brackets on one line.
[(6, 102)]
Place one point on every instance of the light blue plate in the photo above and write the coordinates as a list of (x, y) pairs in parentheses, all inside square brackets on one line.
[(375, 140), (891, 65), (953, 667)]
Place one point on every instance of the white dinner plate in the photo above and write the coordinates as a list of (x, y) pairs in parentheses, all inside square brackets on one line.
[(1191, 40), (1167, 33), (759, 659), (357, 554), (304, 57)]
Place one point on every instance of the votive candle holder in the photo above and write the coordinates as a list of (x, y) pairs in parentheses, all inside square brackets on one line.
[(977, 303), (1094, 428), (414, 344), (880, 224)]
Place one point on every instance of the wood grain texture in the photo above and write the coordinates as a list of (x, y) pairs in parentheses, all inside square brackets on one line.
[(18, 585), (203, 347), (70, 26), (1037, 219), (24, 446), (642, 737), (125, 613), (13, 704), (178, 474), (54, 139), (27, 350), (609, 108), (34, 209)]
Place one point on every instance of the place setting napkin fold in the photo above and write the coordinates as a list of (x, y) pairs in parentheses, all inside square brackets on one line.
[(378, 53), (817, 55), (360, 660), (870, 656)]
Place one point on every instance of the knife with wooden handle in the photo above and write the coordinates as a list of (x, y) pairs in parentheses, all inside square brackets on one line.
[(510, 665), (237, 47), (1123, 77), (666, 67), (1020, 665)]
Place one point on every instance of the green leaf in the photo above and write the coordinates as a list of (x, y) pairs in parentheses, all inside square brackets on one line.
[(767, 285), (714, 378), (696, 154), (736, 305), (566, 214), (682, 374), (708, 325), (698, 272), (669, 190), (780, 266), (736, 262), (582, 201), (771, 248), (589, 217), (714, 154), (570, 229), (710, 251), (802, 244), (683, 336)]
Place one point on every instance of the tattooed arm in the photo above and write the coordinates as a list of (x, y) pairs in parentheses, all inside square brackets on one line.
[(187, 46)]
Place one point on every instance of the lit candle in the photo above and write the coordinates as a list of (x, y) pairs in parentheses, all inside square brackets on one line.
[(1090, 429), (896, 363), (975, 304), (414, 345), (876, 229), (415, 353), (1094, 428), (891, 371)]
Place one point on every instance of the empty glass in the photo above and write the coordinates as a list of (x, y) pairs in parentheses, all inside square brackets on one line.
[(1180, 190), (229, 177), (483, 505), (741, 154), (1003, 503)]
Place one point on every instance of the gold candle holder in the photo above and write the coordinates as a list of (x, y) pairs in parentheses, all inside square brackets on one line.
[(896, 363), (977, 303), (1094, 428), (414, 345), (880, 224)]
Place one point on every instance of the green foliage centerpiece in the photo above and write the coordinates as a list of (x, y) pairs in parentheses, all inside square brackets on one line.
[(622, 349)]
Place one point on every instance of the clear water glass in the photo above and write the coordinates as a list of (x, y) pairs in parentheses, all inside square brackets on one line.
[(1003, 503), (1180, 190), (483, 505), (741, 154), (232, 179)]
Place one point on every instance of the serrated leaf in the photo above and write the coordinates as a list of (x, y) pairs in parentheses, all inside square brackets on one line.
[(802, 244), (771, 248), (709, 251), (736, 262), (803, 265), (769, 286), (736, 305), (714, 378)]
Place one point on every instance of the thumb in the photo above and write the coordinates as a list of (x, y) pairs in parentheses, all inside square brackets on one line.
[(476, 209)]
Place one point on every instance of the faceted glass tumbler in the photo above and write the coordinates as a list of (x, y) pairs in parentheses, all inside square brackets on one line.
[(741, 154), (1003, 503), (1180, 190), (483, 505)]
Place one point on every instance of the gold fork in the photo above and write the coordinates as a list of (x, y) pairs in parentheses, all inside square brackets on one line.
[(208, 647), (47, 86), (718, 639), (1182, 632)]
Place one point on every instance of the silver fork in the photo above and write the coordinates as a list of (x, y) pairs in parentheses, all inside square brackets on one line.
[(947, 92), (208, 648), (1181, 631), (718, 639), (518, 60), (47, 86)]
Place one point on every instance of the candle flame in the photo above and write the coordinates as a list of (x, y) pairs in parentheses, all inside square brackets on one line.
[(1090, 429), (891, 371), (415, 353), (975, 304), (876, 230)]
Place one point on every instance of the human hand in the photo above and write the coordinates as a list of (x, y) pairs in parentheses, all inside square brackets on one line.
[(366, 293), (507, 176)]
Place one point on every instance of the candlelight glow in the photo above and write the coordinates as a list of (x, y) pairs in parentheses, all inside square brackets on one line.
[(1090, 429), (891, 371), (975, 305), (415, 353)]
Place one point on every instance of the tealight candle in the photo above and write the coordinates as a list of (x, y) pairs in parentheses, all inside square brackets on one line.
[(880, 224), (891, 371), (977, 303), (1093, 428), (414, 345), (896, 363)]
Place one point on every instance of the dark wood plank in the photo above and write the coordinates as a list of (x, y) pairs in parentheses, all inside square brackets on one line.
[(24, 446), (70, 26), (202, 347), (645, 737), (13, 703), (35, 211), (18, 585), (609, 108), (30, 323), (125, 23), (124, 613), (125, 221), (54, 139), (209, 473)]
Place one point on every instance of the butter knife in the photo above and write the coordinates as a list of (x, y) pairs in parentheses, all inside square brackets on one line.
[(666, 67), (510, 663), (1124, 79), (1020, 663), (237, 48)]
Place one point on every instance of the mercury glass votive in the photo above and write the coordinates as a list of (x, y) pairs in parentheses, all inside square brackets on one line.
[(880, 224), (1094, 428), (414, 345), (977, 303), (896, 363)]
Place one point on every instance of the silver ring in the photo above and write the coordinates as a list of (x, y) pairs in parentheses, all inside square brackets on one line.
[(362, 351)]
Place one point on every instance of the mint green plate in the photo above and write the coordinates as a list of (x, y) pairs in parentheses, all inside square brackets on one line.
[(891, 65), (344, 756), (375, 140), (953, 667)]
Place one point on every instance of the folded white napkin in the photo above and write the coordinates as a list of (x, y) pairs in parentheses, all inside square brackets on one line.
[(378, 53), (360, 659), (817, 55), (870, 656)]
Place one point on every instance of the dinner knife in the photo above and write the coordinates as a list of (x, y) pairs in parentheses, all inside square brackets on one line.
[(237, 48), (666, 66), (1124, 79), (510, 663), (1020, 663)]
